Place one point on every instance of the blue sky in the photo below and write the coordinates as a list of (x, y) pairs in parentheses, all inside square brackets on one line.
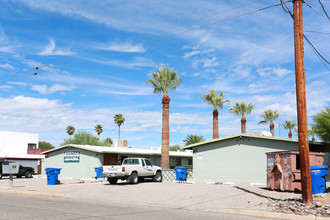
[(92, 69)]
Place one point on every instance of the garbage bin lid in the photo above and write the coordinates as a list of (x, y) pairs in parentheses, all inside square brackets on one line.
[(318, 167)]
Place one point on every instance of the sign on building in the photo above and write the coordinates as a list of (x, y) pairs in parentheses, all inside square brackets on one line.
[(71, 157)]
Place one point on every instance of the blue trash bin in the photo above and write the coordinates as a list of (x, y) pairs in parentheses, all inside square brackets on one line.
[(181, 173), (98, 171), (52, 175), (318, 174)]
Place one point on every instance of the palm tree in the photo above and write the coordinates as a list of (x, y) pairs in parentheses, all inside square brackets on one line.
[(119, 120), (271, 116), (108, 141), (163, 80), (99, 130), (322, 124), (290, 125), (312, 131), (70, 130), (212, 98), (192, 139), (241, 109)]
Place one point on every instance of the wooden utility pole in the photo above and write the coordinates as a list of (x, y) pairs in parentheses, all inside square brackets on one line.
[(306, 185)]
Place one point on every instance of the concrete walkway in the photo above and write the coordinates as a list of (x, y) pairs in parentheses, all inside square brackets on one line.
[(238, 199)]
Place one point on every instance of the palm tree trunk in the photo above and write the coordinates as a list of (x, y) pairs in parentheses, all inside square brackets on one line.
[(243, 125), (165, 158), (271, 126), (215, 124), (118, 132), (290, 134), (313, 139)]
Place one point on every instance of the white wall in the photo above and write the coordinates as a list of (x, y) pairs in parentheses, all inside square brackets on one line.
[(16, 143)]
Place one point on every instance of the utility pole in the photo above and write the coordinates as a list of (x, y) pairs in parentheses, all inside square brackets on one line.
[(306, 185)]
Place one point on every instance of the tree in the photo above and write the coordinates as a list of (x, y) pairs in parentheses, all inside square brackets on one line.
[(175, 148), (241, 109), (119, 120), (322, 124), (108, 141), (99, 130), (212, 98), (312, 131), (163, 81), (289, 125), (70, 130), (83, 138), (269, 116), (192, 139), (45, 145)]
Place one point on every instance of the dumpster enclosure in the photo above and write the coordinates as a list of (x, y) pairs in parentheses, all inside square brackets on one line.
[(283, 169)]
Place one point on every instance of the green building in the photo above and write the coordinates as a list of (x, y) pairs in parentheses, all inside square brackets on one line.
[(79, 161), (240, 158)]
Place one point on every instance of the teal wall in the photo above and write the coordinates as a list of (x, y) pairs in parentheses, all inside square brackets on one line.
[(84, 169), (234, 160)]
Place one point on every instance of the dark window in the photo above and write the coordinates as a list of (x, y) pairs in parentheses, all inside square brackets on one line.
[(148, 163), (178, 162), (298, 162), (32, 146), (190, 161), (143, 164)]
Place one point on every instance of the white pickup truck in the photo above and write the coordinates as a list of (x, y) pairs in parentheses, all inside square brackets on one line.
[(133, 170)]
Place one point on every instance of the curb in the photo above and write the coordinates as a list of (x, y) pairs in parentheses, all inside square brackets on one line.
[(33, 193), (275, 215)]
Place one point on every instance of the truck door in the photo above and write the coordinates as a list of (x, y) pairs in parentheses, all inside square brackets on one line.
[(149, 168)]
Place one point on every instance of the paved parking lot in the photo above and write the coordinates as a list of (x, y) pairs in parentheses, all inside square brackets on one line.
[(199, 196)]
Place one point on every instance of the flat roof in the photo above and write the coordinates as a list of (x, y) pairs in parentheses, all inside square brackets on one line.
[(122, 150), (271, 138)]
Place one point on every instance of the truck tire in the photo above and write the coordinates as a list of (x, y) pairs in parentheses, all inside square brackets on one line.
[(112, 180), (133, 178), (158, 177), (28, 174)]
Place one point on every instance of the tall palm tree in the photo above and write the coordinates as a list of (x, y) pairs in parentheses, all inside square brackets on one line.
[(70, 130), (99, 130), (163, 80), (269, 116), (290, 125), (119, 120), (108, 141), (241, 109), (192, 139), (312, 131), (212, 98)]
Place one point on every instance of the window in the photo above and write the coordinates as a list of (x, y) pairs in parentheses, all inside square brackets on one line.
[(143, 164), (178, 162), (32, 146), (148, 163), (131, 162), (189, 161)]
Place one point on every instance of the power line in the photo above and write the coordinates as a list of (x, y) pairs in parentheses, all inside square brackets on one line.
[(316, 32), (150, 34), (309, 5), (325, 12), (161, 38), (318, 54)]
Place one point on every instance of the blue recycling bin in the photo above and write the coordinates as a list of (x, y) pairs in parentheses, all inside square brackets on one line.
[(98, 171), (318, 174), (52, 175), (181, 173)]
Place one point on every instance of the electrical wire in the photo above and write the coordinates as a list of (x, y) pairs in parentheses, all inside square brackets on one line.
[(309, 5), (161, 38), (318, 54), (150, 34), (317, 32), (325, 12)]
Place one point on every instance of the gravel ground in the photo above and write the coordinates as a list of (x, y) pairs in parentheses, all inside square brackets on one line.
[(199, 196)]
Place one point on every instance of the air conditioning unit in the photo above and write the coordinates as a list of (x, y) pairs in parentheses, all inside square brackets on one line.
[(121, 143), (261, 133)]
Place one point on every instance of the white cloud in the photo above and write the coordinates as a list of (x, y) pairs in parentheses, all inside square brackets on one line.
[(125, 47), (7, 66), (43, 89), (5, 87), (50, 50), (271, 71)]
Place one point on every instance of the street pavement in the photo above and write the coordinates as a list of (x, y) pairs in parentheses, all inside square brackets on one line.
[(195, 198)]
